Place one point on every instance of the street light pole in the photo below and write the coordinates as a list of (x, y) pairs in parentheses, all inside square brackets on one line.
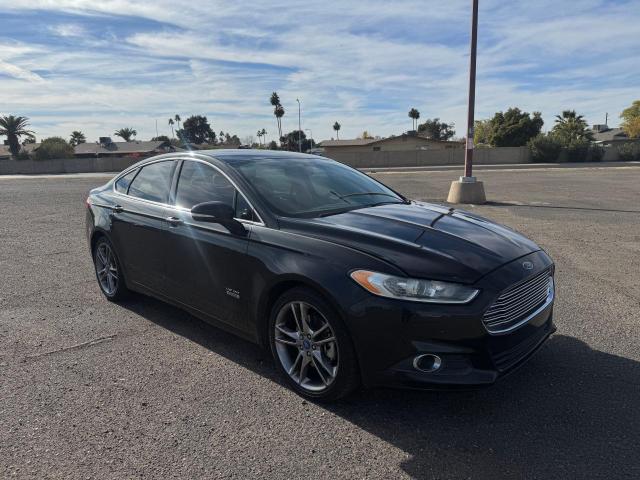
[(468, 155), (299, 128), (467, 189), (311, 136)]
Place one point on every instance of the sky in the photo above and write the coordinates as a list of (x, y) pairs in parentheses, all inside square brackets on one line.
[(97, 66)]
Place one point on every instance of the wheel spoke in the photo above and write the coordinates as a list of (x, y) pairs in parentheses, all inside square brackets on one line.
[(295, 363), (320, 330), (296, 317), (304, 366), (287, 342), (101, 256), (304, 318), (325, 340), (287, 332), (320, 360), (319, 370)]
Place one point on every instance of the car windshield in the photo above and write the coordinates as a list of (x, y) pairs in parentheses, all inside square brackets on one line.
[(311, 187)]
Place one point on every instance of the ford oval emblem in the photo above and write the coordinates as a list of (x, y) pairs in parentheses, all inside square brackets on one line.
[(527, 265)]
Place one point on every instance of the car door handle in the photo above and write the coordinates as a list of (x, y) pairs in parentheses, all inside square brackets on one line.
[(117, 209), (174, 221)]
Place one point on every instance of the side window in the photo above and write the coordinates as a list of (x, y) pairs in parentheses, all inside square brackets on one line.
[(243, 210), (153, 182), (199, 183), (122, 184)]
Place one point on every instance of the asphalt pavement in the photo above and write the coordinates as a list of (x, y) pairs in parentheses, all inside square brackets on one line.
[(92, 389)]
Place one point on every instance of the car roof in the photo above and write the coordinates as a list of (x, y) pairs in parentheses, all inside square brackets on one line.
[(228, 155)]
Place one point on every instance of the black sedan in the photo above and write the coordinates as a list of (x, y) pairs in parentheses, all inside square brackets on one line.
[(346, 281)]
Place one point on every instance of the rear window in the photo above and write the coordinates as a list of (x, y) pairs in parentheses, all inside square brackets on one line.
[(122, 184), (153, 182)]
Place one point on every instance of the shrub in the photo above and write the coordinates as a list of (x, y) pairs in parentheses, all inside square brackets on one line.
[(544, 148), (577, 150), (596, 153), (628, 152), (54, 147)]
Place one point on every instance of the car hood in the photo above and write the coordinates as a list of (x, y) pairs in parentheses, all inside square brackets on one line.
[(423, 240)]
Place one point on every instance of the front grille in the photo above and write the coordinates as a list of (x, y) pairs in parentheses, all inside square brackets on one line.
[(508, 358), (515, 306)]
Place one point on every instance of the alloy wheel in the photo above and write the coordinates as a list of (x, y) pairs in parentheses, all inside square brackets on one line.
[(106, 269), (306, 346)]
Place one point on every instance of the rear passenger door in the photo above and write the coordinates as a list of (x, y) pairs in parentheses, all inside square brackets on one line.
[(205, 261), (139, 227)]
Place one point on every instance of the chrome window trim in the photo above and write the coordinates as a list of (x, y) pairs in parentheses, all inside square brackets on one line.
[(182, 209)]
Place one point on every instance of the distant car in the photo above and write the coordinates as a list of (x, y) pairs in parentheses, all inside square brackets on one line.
[(346, 281)]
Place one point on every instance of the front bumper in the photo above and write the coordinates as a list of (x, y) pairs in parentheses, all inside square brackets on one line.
[(389, 334)]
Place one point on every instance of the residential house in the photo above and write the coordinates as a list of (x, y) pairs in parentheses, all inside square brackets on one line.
[(107, 148), (606, 136)]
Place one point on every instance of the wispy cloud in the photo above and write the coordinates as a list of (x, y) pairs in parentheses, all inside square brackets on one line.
[(101, 65)]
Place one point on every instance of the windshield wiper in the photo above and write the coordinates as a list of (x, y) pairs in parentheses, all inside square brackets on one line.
[(367, 193)]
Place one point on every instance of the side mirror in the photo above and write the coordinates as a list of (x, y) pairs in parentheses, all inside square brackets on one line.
[(217, 212)]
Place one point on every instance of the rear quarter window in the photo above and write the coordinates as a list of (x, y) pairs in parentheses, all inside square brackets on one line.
[(122, 184), (153, 182)]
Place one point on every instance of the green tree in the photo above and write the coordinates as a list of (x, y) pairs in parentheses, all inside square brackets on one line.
[(77, 137), (196, 129), (631, 120), (414, 115), (126, 133), (336, 127), (437, 130), (177, 119), (482, 132), (13, 128), (161, 138), (290, 141), (570, 128), (53, 148), (171, 123), (514, 128)]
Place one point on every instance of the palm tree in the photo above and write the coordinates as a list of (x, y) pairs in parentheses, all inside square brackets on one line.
[(77, 138), (14, 128), (126, 133), (264, 136), (177, 119), (571, 127), (171, 122), (414, 115), (259, 134), (336, 127), (278, 111)]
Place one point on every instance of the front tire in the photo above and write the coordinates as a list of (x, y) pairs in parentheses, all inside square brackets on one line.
[(108, 271), (311, 346)]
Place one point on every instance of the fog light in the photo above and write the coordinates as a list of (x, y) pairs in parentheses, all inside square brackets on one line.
[(427, 362)]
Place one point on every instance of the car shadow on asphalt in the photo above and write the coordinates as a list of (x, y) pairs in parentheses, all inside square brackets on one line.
[(570, 412)]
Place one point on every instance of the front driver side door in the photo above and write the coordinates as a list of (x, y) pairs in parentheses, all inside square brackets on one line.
[(205, 262)]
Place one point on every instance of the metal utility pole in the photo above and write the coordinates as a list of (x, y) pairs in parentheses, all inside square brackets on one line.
[(468, 156), (299, 128), (467, 189)]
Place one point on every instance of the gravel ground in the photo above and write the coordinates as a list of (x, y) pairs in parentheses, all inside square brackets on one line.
[(89, 389)]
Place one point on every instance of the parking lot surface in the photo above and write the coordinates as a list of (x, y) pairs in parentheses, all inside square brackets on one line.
[(92, 389)]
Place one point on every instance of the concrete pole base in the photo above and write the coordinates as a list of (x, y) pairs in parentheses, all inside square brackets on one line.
[(467, 190)]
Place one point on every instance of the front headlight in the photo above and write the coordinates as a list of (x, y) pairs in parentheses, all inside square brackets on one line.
[(413, 289)]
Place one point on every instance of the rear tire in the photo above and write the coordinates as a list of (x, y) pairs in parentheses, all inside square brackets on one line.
[(108, 271), (312, 347)]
